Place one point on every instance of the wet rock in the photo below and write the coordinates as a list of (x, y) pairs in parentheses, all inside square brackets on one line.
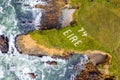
[(4, 47), (51, 62), (65, 56), (32, 75)]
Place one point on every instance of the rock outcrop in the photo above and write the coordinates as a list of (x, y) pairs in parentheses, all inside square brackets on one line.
[(26, 45), (51, 62), (99, 57), (32, 75), (51, 17), (4, 47), (91, 72)]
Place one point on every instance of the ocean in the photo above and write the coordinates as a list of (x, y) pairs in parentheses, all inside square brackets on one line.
[(17, 17)]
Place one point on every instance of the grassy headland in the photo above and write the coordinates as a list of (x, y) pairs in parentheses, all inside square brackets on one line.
[(101, 21)]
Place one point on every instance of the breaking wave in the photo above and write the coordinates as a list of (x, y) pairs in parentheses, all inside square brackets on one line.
[(15, 66)]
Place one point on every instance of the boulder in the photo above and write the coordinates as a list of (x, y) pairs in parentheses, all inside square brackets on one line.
[(32, 75), (4, 46), (51, 62)]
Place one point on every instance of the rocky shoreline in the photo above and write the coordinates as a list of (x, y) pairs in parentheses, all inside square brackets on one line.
[(51, 19), (95, 57), (26, 45), (91, 72), (56, 14)]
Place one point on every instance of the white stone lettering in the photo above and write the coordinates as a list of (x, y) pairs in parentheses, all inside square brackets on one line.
[(67, 32), (78, 43), (73, 39)]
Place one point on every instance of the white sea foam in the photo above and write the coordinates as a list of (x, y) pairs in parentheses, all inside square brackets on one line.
[(1, 73), (31, 4), (2, 29), (37, 13), (1, 9), (34, 2), (16, 66)]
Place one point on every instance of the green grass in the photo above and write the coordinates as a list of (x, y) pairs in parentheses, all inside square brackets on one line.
[(101, 20), (55, 39)]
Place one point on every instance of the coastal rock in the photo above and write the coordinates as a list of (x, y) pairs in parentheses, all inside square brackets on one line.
[(51, 62), (32, 75), (50, 18), (55, 14), (4, 47), (99, 57), (91, 72), (26, 45), (67, 17)]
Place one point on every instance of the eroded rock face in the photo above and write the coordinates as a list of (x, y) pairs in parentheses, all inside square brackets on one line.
[(52, 13), (26, 45), (92, 72), (99, 57), (4, 44)]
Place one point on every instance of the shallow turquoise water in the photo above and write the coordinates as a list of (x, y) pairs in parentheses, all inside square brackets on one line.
[(15, 66)]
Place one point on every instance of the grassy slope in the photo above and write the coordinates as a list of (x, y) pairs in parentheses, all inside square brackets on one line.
[(101, 20), (56, 39)]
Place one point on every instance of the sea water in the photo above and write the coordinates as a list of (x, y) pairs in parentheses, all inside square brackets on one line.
[(16, 66)]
